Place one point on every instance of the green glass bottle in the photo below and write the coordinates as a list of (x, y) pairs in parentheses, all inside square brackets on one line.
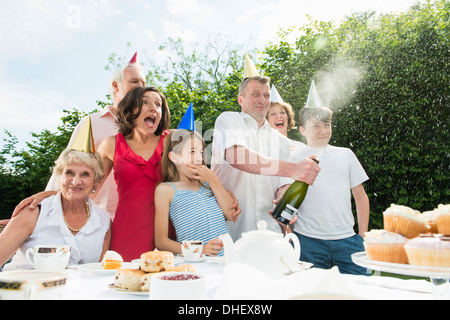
[(291, 200), (289, 203)]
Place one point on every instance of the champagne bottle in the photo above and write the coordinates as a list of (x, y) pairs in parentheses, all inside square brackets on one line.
[(291, 200)]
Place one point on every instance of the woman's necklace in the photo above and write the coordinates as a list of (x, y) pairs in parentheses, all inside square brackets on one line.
[(87, 219)]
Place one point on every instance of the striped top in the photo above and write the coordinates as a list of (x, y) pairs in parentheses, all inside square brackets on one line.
[(196, 215)]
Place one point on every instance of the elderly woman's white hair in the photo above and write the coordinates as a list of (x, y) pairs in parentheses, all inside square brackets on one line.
[(92, 160)]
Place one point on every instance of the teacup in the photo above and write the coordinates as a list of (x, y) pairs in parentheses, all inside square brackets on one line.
[(49, 257), (191, 249), (32, 285)]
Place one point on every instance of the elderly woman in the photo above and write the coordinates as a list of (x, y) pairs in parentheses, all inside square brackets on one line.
[(67, 218)]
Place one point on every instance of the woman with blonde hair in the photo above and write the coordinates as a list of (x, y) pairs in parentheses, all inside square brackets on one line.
[(67, 218)]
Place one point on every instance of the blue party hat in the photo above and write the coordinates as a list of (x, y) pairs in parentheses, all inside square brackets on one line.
[(188, 120)]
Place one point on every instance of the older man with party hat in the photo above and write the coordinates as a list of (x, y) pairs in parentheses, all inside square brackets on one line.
[(251, 158), (103, 124)]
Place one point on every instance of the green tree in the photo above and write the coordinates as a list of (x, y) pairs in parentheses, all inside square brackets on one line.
[(400, 110), (207, 76), (386, 78)]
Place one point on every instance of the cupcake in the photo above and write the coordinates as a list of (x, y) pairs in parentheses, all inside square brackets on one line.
[(429, 250), (405, 221), (430, 218), (382, 245), (443, 219)]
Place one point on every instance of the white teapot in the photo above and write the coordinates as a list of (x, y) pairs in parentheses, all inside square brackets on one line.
[(265, 250)]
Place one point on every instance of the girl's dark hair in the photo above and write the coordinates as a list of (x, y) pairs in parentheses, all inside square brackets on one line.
[(130, 108)]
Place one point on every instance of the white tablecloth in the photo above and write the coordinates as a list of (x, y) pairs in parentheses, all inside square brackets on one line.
[(313, 283)]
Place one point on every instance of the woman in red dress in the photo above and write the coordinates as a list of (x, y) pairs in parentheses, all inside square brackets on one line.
[(135, 153)]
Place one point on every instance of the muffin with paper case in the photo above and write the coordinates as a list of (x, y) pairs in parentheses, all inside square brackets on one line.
[(382, 245)]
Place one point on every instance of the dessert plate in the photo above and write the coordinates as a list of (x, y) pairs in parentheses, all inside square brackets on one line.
[(176, 260), (112, 287), (202, 258), (361, 258), (96, 268)]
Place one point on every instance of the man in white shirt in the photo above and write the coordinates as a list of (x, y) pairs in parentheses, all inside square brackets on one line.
[(253, 160)]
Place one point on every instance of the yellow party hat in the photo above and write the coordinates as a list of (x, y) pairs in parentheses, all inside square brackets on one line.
[(249, 68), (84, 141)]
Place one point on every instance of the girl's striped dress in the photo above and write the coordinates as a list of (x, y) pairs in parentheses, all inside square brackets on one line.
[(196, 215)]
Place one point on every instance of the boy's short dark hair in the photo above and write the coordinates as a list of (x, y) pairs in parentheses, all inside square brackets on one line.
[(323, 114)]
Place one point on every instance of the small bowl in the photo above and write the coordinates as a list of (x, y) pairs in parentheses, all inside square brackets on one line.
[(169, 286), (32, 285)]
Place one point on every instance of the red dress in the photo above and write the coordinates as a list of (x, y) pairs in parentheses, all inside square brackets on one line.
[(133, 227)]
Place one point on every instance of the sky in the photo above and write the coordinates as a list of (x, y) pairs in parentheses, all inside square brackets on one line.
[(53, 53)]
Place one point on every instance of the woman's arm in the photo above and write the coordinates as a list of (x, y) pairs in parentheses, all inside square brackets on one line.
[(106, 150), (32, 201), (17, 231), (106, 242), (163, 196)]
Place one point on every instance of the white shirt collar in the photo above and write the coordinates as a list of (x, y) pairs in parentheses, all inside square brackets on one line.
[(250, 120), (107, 110)]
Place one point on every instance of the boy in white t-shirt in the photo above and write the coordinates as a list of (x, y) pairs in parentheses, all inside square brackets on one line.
[(325, 219)]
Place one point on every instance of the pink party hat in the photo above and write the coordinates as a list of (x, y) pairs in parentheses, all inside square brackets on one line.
[(134, 59)]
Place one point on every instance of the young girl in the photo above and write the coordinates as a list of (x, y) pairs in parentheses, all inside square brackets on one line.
[(191, 195)]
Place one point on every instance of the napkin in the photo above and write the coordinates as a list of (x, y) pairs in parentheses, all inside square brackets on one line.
[(321, 284), (412, 285), (240, 281)]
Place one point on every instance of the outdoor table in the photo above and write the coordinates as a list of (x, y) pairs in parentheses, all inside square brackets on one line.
[(85, 286)]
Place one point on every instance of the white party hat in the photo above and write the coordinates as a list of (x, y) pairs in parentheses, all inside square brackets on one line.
[(274, 95)]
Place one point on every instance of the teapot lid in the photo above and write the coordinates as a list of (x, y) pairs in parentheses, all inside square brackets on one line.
[(262, 231)]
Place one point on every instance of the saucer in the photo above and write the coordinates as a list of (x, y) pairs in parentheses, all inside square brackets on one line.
[(202, 258), (96, 268)]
